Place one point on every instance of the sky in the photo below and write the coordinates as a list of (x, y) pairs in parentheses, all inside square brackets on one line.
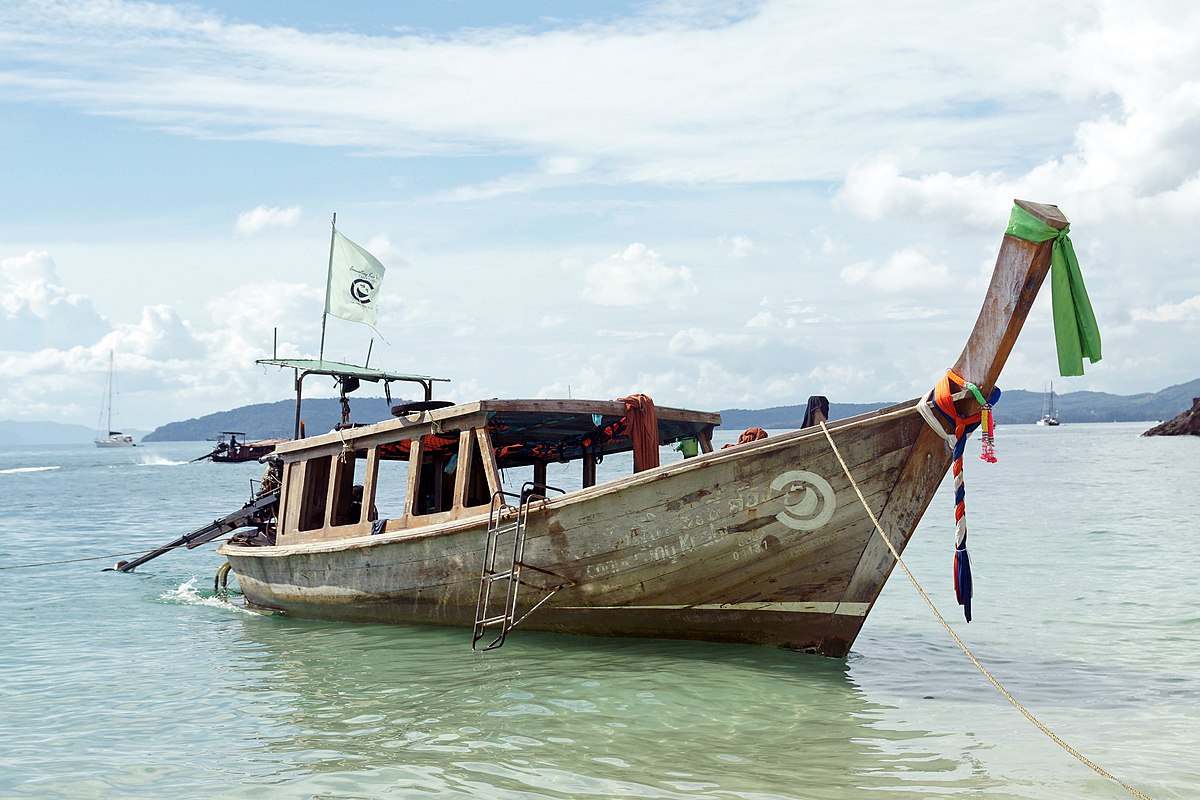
[(725, 204)]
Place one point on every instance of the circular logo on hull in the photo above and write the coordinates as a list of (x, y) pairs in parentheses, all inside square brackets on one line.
[(809, 500)]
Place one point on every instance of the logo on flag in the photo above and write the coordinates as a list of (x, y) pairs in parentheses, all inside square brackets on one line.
[(354, 279)]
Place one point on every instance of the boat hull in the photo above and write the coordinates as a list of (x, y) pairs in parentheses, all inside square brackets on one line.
[(245, 453), (763, 543)]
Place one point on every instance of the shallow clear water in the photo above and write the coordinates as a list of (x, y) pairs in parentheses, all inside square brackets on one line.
[(1085, 550)]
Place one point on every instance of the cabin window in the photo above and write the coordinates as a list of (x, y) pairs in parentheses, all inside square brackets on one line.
[(391, 486), (438, 467), (349, 474), (513, 479), (316, 490), (478, 493)]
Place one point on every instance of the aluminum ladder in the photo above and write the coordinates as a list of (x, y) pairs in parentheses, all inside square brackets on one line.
[(501, 575)]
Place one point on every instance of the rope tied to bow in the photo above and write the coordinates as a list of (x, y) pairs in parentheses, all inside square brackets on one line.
[(943, 400)]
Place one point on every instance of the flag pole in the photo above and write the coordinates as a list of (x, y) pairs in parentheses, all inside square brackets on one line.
[(328, 285)]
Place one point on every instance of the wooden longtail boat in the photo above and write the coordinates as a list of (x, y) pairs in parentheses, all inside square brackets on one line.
[(764, 542), (235, 450)]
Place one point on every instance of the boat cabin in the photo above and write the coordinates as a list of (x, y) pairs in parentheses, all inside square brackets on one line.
[(436, 466)]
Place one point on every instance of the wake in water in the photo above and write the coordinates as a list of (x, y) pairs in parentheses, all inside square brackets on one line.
[(186, 594), (153, 460), (16, 470)]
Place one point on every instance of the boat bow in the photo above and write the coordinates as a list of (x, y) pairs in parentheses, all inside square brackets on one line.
[(1021, 268)]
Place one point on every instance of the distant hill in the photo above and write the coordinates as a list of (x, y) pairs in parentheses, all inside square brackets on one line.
[(1018, 406), (789, 417), (269, 420), (44, 433)]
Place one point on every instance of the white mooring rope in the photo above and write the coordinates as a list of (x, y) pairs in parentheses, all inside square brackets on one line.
[(1016, 704)]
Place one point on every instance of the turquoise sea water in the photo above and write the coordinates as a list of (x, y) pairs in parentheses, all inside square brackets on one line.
[(1085, 550)]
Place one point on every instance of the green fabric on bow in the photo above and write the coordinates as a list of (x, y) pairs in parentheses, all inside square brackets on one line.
[(1075, 331)]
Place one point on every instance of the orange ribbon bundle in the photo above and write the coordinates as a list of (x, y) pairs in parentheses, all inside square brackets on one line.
[(643, 430)]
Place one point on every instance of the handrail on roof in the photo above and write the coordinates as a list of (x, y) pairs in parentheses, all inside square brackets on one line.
[(312, 366)]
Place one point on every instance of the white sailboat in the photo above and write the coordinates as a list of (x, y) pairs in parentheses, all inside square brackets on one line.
[(1049, 414), (106, 436)]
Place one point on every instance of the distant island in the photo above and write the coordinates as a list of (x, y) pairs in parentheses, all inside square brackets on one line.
[(12, 432), (1016, 407), (267, 420)]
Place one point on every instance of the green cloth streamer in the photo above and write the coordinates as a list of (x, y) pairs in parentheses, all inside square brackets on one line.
[(1075, 331)]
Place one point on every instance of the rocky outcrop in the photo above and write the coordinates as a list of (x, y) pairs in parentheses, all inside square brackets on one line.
[(1186, 424)]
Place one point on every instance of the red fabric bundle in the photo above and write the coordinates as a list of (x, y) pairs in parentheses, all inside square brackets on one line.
[(643, 430)]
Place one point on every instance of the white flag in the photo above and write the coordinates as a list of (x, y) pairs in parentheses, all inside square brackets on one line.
[(354, 279)]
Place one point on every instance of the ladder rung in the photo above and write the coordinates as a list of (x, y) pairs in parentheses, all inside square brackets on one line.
[(495, 551)]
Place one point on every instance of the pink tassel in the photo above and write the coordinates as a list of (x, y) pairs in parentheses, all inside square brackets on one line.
[(987, 439)]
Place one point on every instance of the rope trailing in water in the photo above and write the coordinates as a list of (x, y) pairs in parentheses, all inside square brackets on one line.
[(1076, 334), (962, 646)]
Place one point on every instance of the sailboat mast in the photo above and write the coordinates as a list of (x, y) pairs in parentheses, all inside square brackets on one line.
[(108, 397)]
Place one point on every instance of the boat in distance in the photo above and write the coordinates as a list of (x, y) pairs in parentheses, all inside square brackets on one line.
[(1049, 413), (234, 450), (106, 436), (765, 542)]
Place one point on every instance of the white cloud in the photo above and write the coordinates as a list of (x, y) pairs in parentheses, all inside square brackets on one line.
[(168, 367), (764, 319), (739, 246), (908, 313), (1185, 310), (626, 335), (661, 97), (829, 245), (37, 311), (259, 218), (701, 342), (908, 270), (1138, 154), (768, 321), (638, 276), (244, 322), (842, 380), (866, 170), (160, 335), (877, 189), (380, 246), (564, 165)]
